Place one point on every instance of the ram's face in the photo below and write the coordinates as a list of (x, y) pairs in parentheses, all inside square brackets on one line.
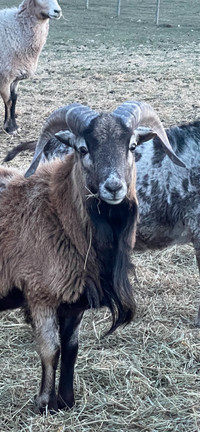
[(45, 9), (106, 155)]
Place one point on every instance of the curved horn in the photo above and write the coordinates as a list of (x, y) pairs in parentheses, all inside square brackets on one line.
[(74, 117), (135, 114)]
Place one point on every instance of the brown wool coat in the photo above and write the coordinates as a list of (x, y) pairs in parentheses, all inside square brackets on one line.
[(45, 243)]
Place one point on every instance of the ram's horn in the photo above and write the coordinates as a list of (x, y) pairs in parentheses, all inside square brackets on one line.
[(74, 117), (135, 114)]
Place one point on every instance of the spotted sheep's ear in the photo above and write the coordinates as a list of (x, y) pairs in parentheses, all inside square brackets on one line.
[(136, 114), (140, 135)]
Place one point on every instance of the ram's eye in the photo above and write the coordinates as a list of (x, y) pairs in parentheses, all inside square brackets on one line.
[(132, 147), (83, 150)]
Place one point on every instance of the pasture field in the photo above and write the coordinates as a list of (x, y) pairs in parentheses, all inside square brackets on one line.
[(146, 377)]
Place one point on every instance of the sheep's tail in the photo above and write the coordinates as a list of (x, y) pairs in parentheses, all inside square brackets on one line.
[(29, 145)]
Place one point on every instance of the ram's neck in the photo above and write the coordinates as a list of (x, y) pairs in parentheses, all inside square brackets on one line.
[(101, 234), (68, 199)]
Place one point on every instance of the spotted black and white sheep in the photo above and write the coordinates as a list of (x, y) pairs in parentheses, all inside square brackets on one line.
[(169, 197), (23, 33), (68, 230)]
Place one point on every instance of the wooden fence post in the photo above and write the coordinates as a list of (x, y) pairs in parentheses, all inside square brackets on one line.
[(157, 11), (118, 7)]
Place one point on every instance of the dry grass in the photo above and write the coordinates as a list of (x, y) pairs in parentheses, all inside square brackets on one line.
[(144, 378)]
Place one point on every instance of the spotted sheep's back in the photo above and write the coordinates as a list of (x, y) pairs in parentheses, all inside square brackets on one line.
[(168, 195)]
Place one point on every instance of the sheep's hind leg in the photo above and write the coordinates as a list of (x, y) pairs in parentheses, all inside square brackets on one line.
[(197, 322), (196, 244), (47, 336), (10, 100), (69, 329)]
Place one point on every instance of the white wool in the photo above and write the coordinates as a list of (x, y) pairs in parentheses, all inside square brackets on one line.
[(23, 33)]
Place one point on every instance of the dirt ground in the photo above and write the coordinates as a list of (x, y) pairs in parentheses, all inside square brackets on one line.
[(146, 377)]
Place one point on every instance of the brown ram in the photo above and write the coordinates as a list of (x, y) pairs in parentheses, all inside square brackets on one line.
[(66, 233)]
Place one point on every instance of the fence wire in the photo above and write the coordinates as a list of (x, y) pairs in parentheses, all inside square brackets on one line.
[(171, 12)]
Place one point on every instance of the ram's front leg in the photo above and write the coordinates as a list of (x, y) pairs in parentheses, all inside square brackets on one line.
[(69, 329), (47, 336)]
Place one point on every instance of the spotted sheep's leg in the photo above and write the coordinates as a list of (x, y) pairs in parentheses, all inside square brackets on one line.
[(197, 250), (47, 336), (194, 224), (69, 329)]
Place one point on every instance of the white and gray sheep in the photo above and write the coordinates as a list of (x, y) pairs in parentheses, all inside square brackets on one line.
[(23, 33)]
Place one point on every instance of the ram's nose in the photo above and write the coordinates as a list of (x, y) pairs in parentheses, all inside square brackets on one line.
[(113, 185), (113, 190)]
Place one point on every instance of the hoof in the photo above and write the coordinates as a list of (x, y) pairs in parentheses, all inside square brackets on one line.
[(66, 405), (11, 128), (46, 407)]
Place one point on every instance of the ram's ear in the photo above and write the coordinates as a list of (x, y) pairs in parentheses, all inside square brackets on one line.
[(142, 134), (66, 137)]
